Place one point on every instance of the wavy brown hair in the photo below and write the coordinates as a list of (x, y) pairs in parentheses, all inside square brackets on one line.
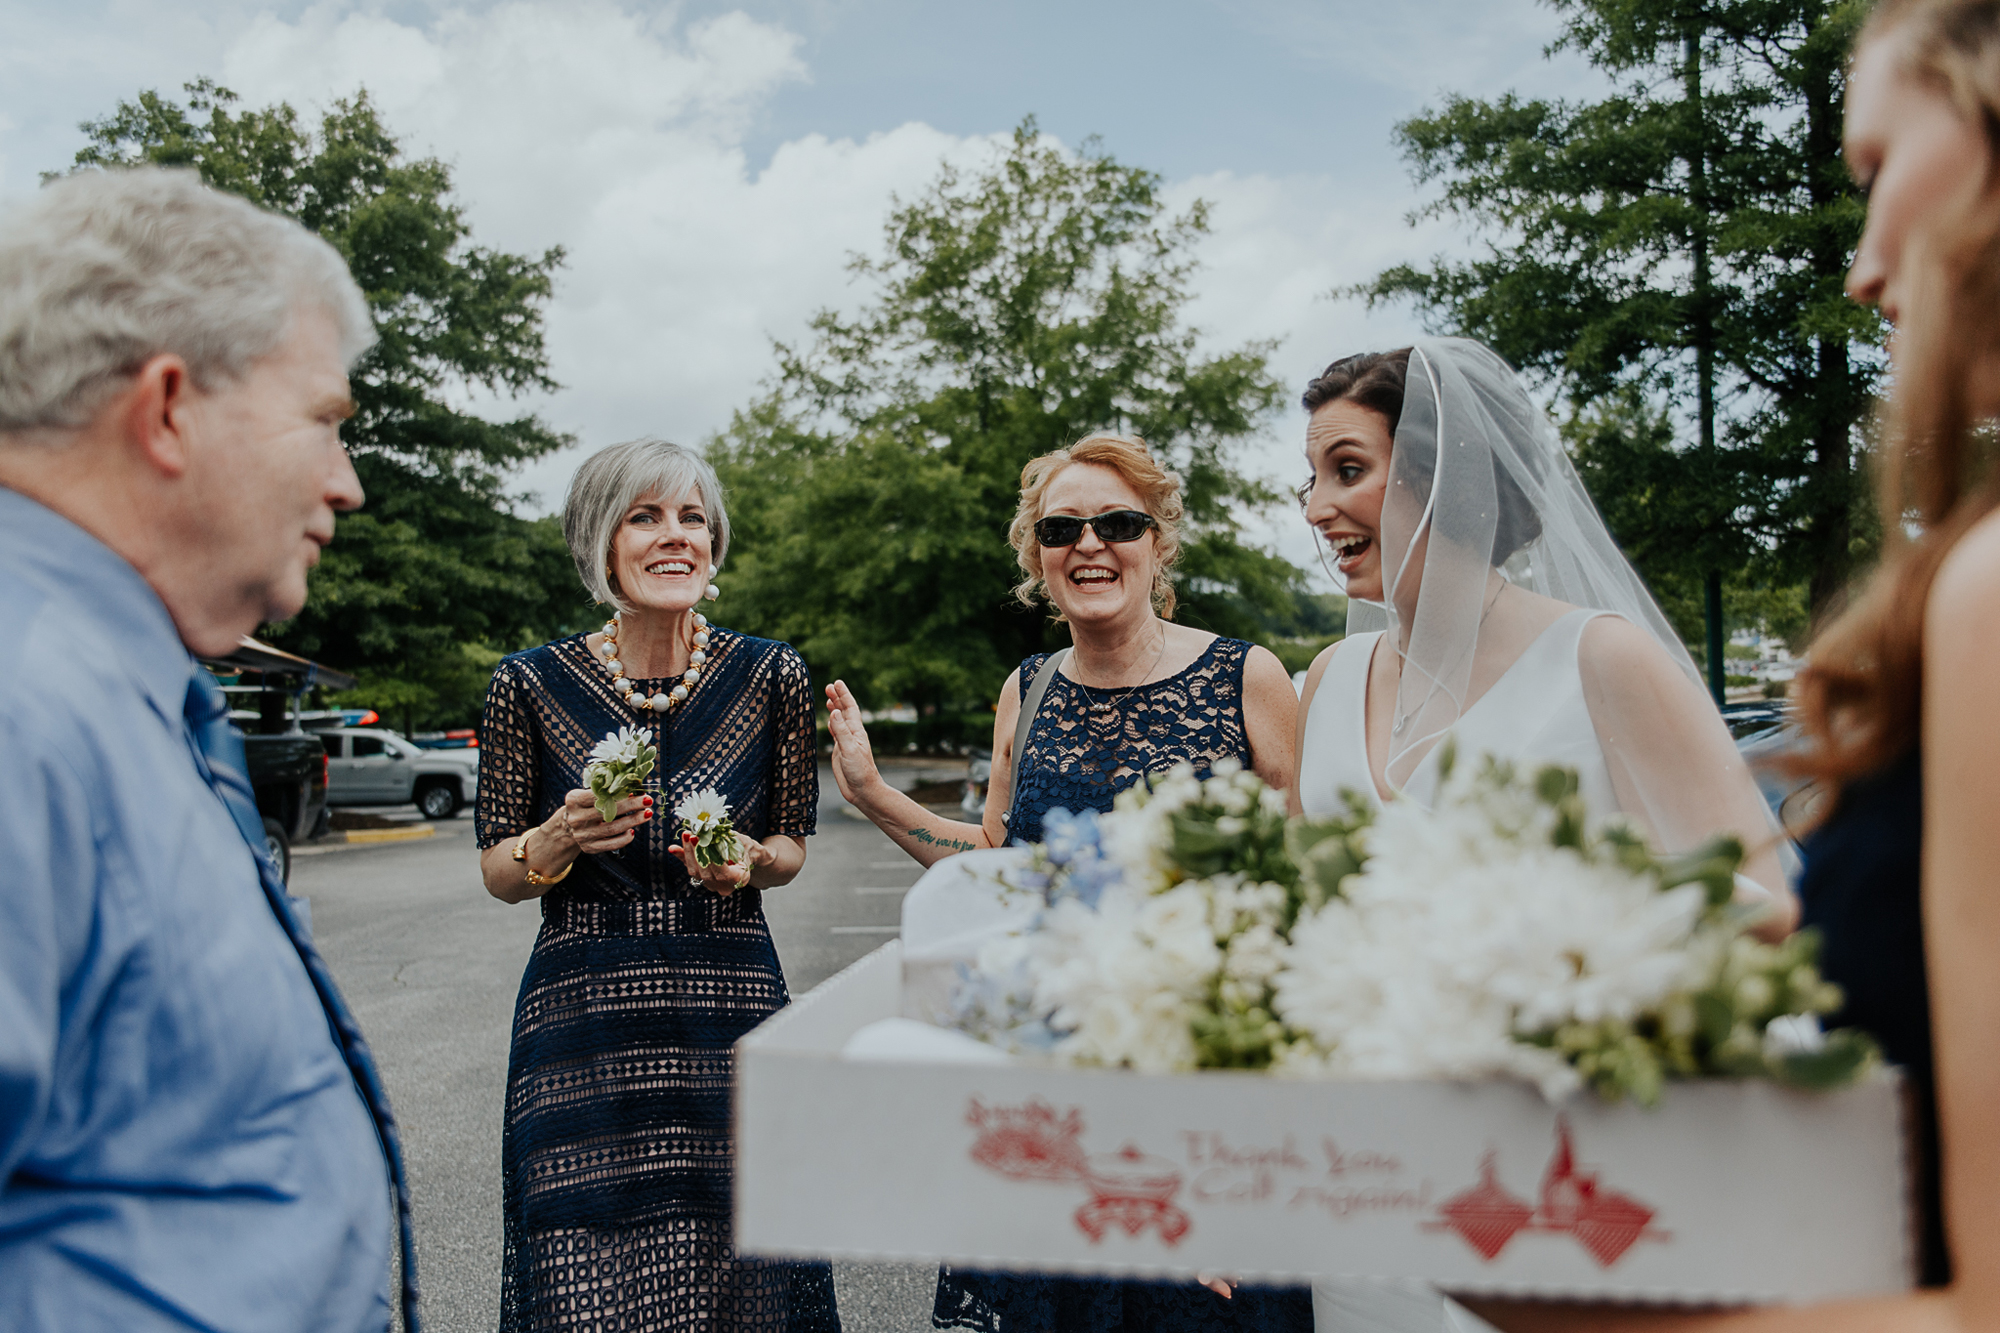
[(1159, 492), (1861, 696)]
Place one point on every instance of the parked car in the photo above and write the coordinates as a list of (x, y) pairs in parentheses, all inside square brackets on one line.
[(323, 719), (287, 767), (1752, 719), (288, 773), (979, 772), (1794, 800), (464, 738), (368, 766)]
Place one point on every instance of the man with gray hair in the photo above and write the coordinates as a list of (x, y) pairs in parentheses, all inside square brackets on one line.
[(192, 1133)]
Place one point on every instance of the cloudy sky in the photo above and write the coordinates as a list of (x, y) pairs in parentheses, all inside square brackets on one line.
[(708, 166)]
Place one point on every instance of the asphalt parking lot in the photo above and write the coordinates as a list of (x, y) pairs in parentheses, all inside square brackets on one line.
[(431, 964)]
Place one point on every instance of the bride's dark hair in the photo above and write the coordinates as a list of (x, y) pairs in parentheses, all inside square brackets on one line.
[(1379, 381), (1373, 379), (1861, 696)]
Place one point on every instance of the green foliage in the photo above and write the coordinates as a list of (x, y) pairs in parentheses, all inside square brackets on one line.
[(1671, 511), (1682, 241), (1208, 838), (437, 572), (1016, 310), (1326, 851), (1720, 1029), (1320, 615), (445, 686), (1298, 654)]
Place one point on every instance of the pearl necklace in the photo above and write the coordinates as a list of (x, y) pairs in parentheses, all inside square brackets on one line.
[(658, 703)]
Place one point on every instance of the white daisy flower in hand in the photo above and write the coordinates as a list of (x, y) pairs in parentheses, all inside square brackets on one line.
[(619, 765), (622, 746), (702, 810), (705, 815)]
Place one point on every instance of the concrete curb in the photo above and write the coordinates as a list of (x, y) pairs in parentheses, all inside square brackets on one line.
[(368, 835)]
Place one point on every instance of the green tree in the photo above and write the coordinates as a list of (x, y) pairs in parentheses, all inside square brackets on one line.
[(1684, 238), (1017, 309), (437, 574), (1656, 497)]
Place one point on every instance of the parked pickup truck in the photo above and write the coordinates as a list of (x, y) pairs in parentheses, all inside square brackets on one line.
[(288, 772), (370, 767)]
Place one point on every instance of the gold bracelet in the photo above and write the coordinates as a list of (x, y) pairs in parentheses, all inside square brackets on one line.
[(521, 855)]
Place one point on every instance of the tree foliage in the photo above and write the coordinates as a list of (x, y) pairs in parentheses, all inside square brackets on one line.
[(1016, 309), (436, 574), (1684, 239), (1658, 499)]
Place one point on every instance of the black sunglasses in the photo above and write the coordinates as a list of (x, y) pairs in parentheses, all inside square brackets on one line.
[(1118, 525)]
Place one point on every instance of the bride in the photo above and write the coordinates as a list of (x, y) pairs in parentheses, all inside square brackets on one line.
[(1494, 609)]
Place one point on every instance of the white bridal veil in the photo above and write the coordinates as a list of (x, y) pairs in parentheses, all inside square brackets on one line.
[(1478, 480)]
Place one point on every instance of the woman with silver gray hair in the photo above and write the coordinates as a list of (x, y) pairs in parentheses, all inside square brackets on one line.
[(649, 965)]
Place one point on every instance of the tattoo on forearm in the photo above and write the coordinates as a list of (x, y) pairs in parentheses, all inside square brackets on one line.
[(951, 844)]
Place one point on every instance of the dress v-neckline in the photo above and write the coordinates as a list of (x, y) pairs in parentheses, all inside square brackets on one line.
[(1367, 682)]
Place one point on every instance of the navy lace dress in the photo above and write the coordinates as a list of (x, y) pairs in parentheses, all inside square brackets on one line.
[(1861, 892), (617, 1147), (1083, 747)]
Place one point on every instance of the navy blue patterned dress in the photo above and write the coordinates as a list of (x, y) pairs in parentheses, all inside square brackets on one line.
[(617, 1149), (1083, 747)]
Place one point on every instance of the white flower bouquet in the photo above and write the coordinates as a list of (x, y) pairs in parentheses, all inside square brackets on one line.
[(1502, 933), (619, 765), (705, 814)]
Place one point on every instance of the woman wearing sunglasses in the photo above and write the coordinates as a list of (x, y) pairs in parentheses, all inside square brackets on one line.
[(1096, 533)]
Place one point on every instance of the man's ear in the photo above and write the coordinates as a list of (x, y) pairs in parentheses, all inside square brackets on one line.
[(157, 412)]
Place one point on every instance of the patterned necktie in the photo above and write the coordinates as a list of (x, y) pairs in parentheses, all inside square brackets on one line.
[(218, 751)]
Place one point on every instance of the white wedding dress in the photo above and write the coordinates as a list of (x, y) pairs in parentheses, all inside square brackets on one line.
[(1535, 714)]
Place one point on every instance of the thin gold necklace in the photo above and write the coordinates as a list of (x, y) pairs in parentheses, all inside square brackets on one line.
[(1127, 689)]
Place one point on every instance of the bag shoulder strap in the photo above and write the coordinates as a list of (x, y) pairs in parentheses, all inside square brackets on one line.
[(1031, 703)]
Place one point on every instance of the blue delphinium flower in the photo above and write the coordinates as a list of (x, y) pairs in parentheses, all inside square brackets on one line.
[(1072, 849), (999, 1009), (1066, 836)]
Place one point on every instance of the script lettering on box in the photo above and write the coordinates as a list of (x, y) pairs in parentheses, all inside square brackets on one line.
[(1605, 1222), (1129, 1189)]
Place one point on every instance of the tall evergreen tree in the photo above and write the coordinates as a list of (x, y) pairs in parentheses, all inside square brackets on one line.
[(1017, 309), (1685, 238), (421, 590)]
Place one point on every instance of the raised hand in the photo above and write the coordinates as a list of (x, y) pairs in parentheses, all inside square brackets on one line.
[(854, 770)]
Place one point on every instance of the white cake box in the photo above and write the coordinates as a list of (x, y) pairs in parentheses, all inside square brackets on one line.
[(1728, 1192)]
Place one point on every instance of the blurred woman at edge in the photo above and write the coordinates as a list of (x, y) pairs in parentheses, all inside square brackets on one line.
[(1903, 876)]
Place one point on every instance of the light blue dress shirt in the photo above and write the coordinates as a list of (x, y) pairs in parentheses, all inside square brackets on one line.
[(181, 1144)]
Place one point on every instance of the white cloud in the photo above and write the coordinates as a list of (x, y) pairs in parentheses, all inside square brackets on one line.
[(619, 138), (1279, 250)]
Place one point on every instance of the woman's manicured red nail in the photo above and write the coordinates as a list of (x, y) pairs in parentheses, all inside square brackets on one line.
[(645, 815), (647, 799)]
